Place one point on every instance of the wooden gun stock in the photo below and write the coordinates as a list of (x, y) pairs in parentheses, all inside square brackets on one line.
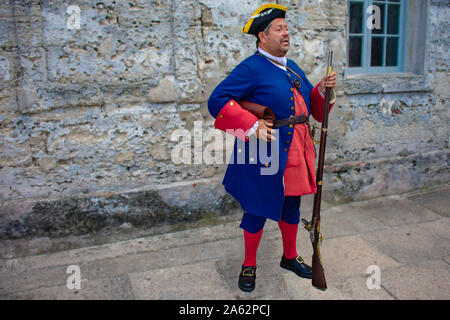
[(262, 112)]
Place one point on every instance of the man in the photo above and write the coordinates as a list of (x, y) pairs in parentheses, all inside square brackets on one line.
[(268, 78)]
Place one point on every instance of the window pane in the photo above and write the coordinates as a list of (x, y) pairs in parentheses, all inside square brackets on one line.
[(356, 17), (376, 57), (391, 52), (354, 53), (393, 19), (378, 19)]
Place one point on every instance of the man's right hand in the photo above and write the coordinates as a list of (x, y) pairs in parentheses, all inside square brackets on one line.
[(264, 130)]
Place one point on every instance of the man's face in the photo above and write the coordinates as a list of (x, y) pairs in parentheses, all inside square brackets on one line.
[(276, 41)]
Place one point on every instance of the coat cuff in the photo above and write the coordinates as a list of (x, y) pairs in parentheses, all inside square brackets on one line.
[(317, 101), (233, 119)]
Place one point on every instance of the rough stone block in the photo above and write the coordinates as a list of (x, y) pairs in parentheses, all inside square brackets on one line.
[(342, 260), (27, 8), (118, 288), (435, 201), (146, 285), (7, 37), (346, 220), (409, 244), (7, 70), (8, 105), (29, 30), (390, 212), (32, 61), (422, 280)]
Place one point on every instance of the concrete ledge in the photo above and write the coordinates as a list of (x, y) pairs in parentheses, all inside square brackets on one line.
[(83, 214), (365, 179)]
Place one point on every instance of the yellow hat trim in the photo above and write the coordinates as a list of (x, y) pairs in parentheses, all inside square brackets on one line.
[(270, 5)]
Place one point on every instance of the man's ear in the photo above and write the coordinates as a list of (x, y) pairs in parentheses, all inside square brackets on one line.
[(262, 36)]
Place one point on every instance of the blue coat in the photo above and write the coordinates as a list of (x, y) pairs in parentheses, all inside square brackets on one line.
[(258, 80)]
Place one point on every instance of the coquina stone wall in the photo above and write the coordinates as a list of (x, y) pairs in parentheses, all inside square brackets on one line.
[(91, 119)]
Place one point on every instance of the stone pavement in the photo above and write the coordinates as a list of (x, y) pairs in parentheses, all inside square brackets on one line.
[(407, 237)]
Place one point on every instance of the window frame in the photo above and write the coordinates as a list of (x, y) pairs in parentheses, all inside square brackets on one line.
[(367, 43)]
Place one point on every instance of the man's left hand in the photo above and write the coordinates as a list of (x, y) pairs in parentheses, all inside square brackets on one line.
[(328, 82)]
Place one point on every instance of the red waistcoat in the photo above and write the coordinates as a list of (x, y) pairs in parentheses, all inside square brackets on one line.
[(300, 176)]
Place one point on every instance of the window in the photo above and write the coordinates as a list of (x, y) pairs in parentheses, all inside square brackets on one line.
[(376, 36)]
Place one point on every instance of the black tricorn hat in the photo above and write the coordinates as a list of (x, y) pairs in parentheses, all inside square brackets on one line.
[(261, 18)]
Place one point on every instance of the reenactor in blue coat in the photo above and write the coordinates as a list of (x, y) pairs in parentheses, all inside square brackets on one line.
[(268, 78)]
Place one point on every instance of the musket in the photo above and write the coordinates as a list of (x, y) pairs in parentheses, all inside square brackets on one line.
[(313, 226)]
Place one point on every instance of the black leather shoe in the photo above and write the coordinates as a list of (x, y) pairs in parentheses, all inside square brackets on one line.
[(298, 266), (247, 279)]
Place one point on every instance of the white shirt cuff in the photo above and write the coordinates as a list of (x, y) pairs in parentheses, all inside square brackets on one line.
[(253, 129)]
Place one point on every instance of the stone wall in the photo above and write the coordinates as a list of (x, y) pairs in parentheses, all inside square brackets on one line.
[(87, 115)]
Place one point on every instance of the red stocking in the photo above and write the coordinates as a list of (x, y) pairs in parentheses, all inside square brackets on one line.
[(251, 246), (289, 235)]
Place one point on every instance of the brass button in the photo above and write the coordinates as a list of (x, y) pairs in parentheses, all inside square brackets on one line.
[(285, 149), (252, 159), (292, 108), (239, 150), (292, 89), (290, 126), (289, 133), (221, 116), (291, 116), (288, 74), (292, 98), (267, 164), (231, 103)]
